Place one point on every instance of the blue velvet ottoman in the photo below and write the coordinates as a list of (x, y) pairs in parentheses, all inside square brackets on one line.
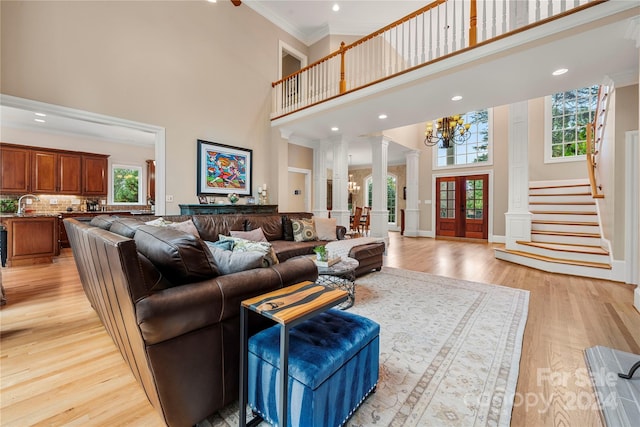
[(333, 366)]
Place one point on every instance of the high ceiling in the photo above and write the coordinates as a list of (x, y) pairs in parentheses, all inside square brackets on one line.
[(522, 72), (310, 20)]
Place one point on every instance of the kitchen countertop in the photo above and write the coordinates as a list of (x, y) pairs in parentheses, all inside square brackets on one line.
[(65, 213)]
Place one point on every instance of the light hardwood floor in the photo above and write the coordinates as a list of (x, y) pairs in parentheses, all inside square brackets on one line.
[(59, 366)]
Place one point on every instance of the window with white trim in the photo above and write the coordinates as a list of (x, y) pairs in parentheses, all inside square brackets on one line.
[(476, 150), (392, 196), (126, 185), (566, 117)]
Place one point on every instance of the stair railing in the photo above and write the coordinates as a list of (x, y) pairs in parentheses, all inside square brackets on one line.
[(437, 31), (595, 138)]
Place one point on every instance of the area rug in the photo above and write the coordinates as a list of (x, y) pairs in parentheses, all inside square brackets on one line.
[(449, 351)]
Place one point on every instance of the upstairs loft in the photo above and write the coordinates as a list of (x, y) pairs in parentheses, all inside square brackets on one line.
[(494, 55)]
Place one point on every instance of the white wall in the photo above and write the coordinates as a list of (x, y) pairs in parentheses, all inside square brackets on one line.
[(200, 70)]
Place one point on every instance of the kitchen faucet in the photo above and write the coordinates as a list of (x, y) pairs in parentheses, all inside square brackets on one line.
[(20, 210)]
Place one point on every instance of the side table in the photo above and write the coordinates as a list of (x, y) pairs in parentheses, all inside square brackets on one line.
[(288, 307), (341, 275)]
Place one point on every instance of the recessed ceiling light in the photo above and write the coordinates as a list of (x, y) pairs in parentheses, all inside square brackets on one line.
[(560, 71), (336, 7), (335, 129), (211, 1), (40, 114), (382, 116), (456, 98), (39, 120)]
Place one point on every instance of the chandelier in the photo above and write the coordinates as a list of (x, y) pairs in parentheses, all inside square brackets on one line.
[(353, 187), (449, 130)]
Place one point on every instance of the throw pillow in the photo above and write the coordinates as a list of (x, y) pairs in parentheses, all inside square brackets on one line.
[(159, 222), (186, 226), (325, 228), (256, 235), (243, 245), (287, 228), (229, 262), (227, 245), (303, 230)]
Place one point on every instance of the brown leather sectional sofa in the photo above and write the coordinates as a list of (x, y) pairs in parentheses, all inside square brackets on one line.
[(174, 319)]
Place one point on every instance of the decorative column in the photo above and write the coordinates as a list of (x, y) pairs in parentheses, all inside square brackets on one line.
[(379, 226), (632, 230), (411, 212), (518, 217), (340, 200), (320, 179)]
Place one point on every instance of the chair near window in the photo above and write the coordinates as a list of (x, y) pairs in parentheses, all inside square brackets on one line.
[(355, 220), (365, 220)]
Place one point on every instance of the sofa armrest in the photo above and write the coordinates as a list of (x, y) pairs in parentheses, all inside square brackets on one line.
[(181, 309)]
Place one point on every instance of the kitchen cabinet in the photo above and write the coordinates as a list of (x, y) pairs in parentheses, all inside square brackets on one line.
[(55, 173), (15, 169), (31, 239), (95, 175), (69, 174), (48, 171)]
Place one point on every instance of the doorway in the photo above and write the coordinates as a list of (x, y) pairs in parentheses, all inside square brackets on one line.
[(462, 205)]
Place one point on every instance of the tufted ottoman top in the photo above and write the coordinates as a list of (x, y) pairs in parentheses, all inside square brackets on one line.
[(317, 347)]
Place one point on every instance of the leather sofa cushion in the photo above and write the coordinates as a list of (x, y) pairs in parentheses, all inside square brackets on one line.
[(103, 221), (271, 226), (211, 226), (126, 226), (181, 257)]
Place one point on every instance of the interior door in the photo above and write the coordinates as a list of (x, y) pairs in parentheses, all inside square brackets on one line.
[(462, 206)]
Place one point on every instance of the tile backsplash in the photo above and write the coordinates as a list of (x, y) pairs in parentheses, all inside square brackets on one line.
[(56, 203)]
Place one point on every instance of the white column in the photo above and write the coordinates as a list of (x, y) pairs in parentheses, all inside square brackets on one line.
[(518, 217), (412, 212), (379, 226), (320, 179), (340, 199), (633, 155)]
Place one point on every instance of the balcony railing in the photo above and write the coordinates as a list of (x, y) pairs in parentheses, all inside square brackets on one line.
[(436, 31), (595, 138)]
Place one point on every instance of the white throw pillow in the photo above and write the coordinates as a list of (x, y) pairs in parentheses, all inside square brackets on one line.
[(325, 228)]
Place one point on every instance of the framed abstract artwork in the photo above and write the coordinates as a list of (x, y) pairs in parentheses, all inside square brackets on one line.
[(223, 169)]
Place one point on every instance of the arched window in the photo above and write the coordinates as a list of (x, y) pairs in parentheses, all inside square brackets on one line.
[(392, 199)]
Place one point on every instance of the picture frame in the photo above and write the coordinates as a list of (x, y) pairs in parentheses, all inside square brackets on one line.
[(203, 200), (223, 169)]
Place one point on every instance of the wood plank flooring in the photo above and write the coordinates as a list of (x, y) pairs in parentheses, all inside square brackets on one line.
[(59, 367)]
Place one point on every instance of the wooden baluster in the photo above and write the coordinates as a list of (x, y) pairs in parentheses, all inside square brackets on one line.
[(537, 10), (473, 23), (446, 28), (504, 16), (494, 18), (549, 8), (484, 20), (343, 83), (454, 29), (424, 48), (438, 31), (563, 5)]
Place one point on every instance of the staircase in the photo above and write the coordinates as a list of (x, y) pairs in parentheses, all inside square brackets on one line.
[(565, 231)]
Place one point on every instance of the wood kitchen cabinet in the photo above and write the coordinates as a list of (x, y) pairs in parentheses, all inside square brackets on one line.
[(55, 173), (31, 240), (48, 171), (15, 170), (95, 175)]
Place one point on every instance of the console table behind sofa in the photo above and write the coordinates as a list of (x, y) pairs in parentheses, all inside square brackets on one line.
[(226, 209)]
